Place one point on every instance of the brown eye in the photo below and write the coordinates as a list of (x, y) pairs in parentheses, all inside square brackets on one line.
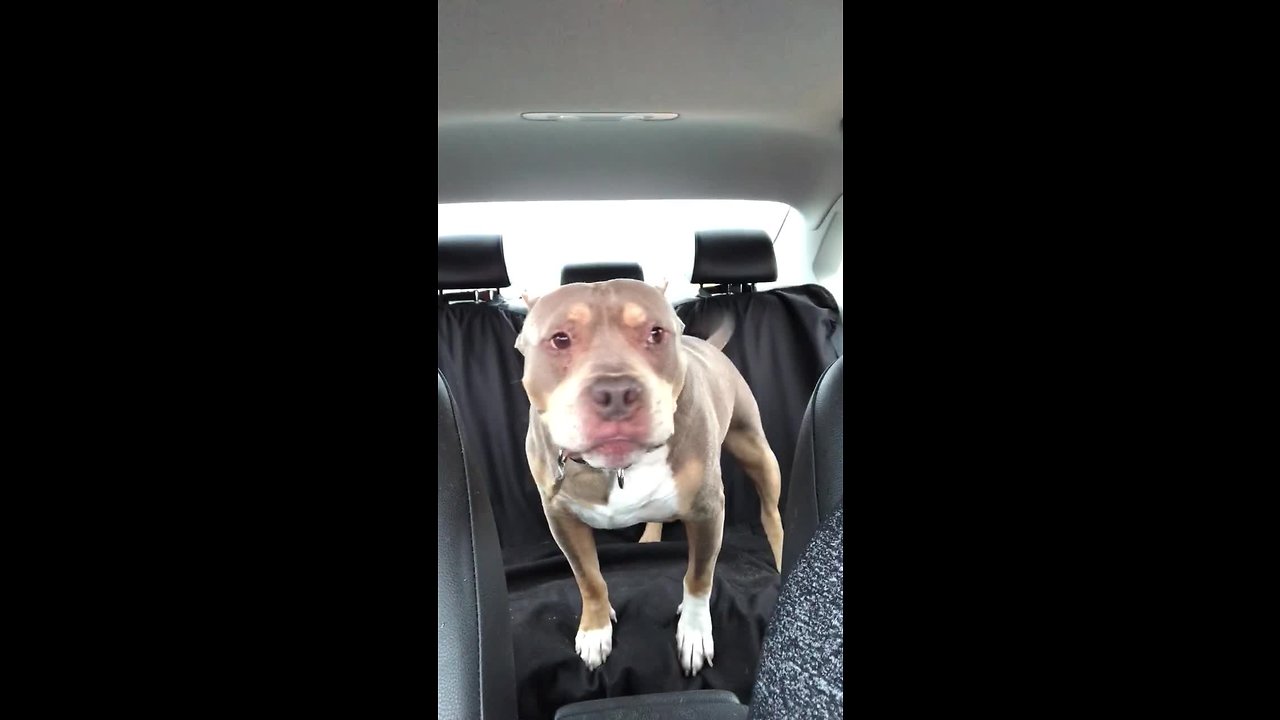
[(655, 335), (560, 341)]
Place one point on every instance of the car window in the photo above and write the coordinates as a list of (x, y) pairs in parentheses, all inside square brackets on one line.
[(539, 238)]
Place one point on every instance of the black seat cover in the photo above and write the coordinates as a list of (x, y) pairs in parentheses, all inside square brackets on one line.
[(475, 349), (817, 478), (782, 342), (476, 676)]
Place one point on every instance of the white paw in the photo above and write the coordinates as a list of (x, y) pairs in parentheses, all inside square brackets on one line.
[(693, 635), (594, 646)]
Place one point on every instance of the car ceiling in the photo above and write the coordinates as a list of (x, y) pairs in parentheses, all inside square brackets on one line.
[(759, 85)]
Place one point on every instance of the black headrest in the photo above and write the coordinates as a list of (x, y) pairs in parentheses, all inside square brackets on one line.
[(468, 262), (733, 256), (599, 272)]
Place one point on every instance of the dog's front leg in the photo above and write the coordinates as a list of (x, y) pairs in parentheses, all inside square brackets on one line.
[(694, 641), (594, 641)]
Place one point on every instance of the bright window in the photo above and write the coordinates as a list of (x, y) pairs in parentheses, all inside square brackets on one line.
[(539, 238)]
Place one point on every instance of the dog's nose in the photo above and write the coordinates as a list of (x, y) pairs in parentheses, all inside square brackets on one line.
[(615, 398)]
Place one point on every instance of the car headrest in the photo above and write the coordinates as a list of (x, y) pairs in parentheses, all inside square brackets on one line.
[(599, 272), (468, 262), (733, 256)]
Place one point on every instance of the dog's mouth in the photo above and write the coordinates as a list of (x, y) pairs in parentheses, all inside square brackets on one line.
[(614, 446), (614, 433), (616, 452), (621, 437)]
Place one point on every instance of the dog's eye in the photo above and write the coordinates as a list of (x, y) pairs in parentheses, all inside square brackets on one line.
[(655, 335), (560, 341)]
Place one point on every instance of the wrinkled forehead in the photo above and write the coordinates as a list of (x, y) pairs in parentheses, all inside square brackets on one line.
[(625, 302)]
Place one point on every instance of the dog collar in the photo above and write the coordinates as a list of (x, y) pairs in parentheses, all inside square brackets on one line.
[(619, 473)]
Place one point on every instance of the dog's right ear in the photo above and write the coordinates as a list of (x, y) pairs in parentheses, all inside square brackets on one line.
[(522, 338), (528, 301)]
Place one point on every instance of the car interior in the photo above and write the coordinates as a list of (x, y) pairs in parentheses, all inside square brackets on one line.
[(575, 109)]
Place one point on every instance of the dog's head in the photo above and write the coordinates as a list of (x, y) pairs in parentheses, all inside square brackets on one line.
[(603, 368)]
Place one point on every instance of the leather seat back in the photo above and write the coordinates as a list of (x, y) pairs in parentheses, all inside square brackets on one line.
[(476, 673), (817, 478)]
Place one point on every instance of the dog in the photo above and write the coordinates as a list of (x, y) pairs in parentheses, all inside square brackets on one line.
[(627, 418)]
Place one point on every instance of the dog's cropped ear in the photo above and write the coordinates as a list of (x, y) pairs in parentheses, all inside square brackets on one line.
[(527, 330), (663, 287), (528, 301)]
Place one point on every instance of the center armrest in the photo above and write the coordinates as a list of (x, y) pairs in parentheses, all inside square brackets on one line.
[(690, 704)]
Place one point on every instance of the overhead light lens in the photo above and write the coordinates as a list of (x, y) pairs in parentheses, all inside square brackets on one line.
[(600, 116)]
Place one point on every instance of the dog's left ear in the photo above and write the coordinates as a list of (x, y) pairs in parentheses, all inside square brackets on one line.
[(679, 324), (663, 287)]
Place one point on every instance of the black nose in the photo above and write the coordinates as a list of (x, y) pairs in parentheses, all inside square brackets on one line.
[(615, 398)]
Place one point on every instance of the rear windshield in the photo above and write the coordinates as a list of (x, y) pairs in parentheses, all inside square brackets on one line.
[(539, 238)]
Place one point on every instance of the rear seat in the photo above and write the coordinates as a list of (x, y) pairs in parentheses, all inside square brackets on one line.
[(599, 272), (783, 340), (476, 353), (483, 370)]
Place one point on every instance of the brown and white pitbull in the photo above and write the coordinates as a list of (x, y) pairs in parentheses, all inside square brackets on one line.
[(627, 417)]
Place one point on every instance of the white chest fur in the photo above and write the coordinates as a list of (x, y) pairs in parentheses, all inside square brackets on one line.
[(648, 494)]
